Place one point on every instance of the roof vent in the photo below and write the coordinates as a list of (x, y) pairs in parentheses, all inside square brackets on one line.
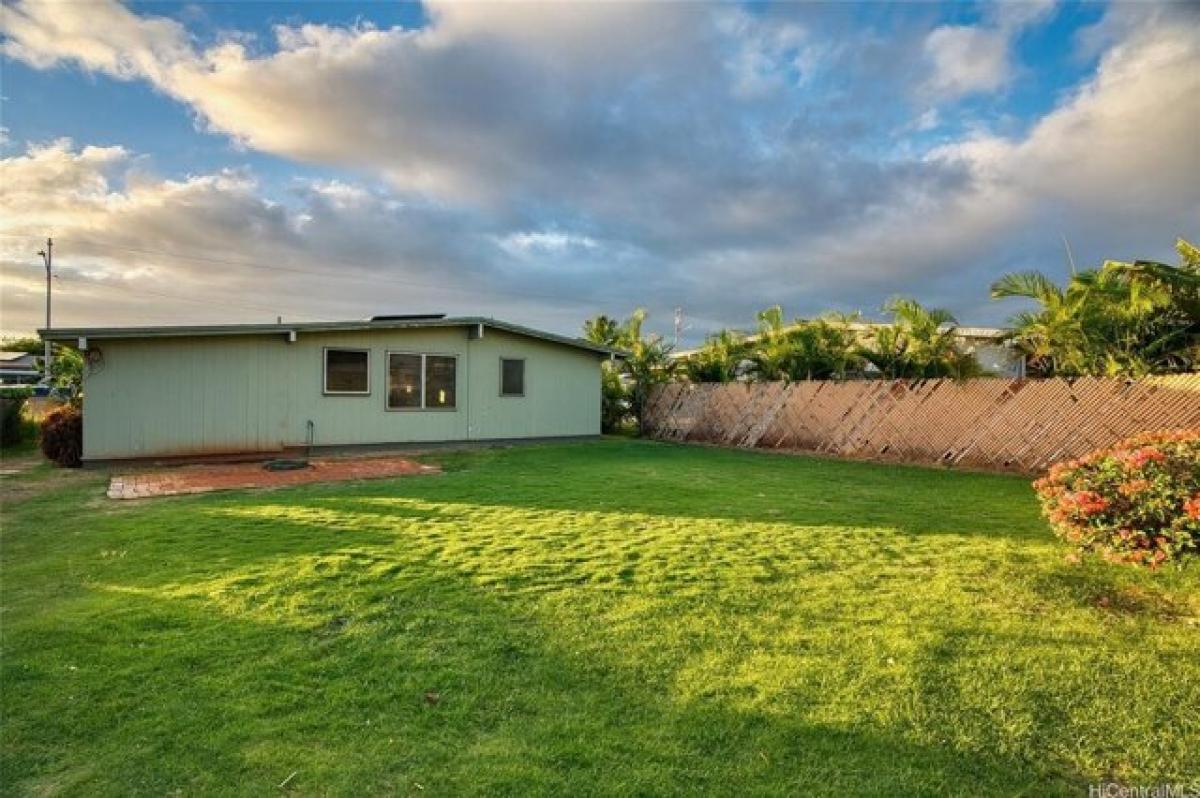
[(410, 317)]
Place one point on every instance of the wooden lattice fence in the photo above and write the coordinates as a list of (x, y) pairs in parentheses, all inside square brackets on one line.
[(988, 423)]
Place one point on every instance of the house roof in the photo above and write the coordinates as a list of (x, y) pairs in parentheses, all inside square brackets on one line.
[(15, 360), (72, 334)]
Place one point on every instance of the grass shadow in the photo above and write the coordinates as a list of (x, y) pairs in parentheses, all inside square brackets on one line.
[(590, 623), (682, 481), (414, 681)]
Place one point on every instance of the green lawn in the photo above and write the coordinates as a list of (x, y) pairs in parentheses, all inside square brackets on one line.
[(616, 617)]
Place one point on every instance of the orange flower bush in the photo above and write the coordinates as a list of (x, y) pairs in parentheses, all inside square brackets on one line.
[(1137, 502)]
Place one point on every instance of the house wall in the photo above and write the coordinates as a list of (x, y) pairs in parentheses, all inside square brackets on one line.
[(253, 393), (996, 358)]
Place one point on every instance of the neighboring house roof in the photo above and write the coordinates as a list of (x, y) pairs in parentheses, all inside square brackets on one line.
[(72, 334), (17, 360), (986, 333), (20, 366)]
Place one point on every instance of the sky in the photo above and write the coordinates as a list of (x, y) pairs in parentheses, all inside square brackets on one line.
[(543, 163)]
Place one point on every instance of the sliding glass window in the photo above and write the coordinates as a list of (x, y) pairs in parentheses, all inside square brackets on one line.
[(439, 382), (421, 382), (404, 382)]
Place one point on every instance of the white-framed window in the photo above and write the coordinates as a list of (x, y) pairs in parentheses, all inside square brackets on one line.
[(512, 376), (418, 381), (346, 372)]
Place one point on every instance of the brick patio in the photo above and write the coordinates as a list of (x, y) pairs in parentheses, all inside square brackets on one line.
[(205, 478)]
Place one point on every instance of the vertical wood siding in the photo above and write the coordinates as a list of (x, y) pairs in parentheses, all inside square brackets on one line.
[(256, 393)]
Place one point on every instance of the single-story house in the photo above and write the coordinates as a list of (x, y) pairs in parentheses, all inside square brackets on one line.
[(19, 368), (151, 392)]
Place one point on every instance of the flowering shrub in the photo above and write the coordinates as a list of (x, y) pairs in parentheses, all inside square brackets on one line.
[(1137, 502), (62, 436)]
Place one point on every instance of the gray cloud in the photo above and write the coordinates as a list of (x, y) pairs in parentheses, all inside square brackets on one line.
[(711, 158)]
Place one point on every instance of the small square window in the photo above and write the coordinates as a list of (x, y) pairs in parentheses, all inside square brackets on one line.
[(512, 377), (347, 371)]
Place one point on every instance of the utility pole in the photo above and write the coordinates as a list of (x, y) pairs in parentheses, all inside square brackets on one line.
[(678, 325), (48, 259)]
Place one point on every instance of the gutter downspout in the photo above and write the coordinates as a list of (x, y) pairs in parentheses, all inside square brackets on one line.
[(467, 369)]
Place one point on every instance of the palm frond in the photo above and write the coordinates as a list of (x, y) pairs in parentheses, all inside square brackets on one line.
[(1030, 284)]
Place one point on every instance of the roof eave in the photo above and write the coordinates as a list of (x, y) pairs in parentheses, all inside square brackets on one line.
[(75, 334)]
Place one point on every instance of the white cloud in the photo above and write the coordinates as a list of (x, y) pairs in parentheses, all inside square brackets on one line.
[(970, 59), (1112, 167), (596, 153), (133, 248), (1013, 15), (1125, 137), (551, 242), (442, 109), (967, 60), (766, 55), (929, 119)]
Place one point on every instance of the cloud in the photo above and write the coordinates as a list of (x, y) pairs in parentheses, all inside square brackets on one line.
[(966, 60), (551, 242), (929, 119), (1094, 169), (134, 247), (466, 107), (1122, 145), (508, 158), (970, 59), (769, 54)]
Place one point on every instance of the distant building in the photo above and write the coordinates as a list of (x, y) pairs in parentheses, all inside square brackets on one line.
[(18, 368), (990, 349)]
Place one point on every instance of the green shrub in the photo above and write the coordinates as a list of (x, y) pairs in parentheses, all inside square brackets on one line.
[(12, 422), (62, 436), (1136, 502)]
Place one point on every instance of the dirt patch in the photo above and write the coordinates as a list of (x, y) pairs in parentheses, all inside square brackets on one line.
[(13, 465), (28, 475), (205, 478)]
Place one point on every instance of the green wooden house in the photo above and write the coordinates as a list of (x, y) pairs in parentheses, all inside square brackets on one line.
[(154, 392)]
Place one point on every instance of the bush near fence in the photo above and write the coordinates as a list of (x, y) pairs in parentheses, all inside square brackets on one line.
[(988, 423), (13, 399)]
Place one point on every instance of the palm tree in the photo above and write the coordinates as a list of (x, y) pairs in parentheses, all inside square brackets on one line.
[(817, 349), (1052, 339), (1173, 317), (602, 330), (773, 350), (1121, 319), (647, 362), (919, 343), (825, 348), (718, 359)]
